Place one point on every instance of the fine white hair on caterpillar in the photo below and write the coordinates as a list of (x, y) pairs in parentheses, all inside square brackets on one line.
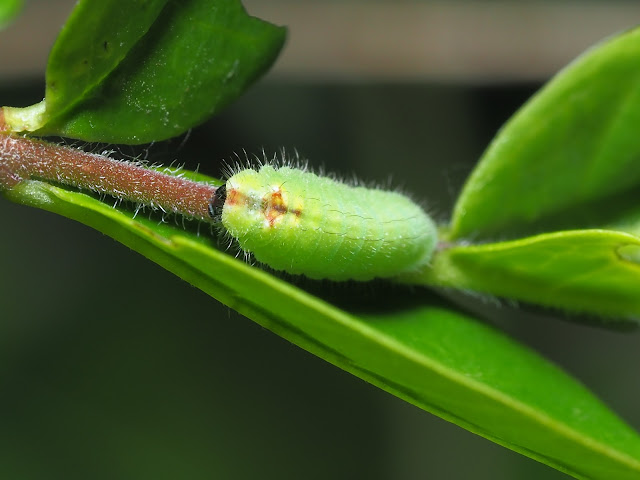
[(293, 220)]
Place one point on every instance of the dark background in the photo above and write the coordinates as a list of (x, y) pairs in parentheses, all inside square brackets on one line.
[(111, 367)]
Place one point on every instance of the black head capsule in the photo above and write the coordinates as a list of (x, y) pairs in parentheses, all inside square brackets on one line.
[(217, 202)]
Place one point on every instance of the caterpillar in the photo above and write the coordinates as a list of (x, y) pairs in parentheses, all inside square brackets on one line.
[(296, 221)]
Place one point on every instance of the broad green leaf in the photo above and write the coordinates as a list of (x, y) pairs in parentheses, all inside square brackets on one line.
[(96, 38), (9, 9), (136, 72), (567, 154), (583, 271), (94, 41), (407, 343)]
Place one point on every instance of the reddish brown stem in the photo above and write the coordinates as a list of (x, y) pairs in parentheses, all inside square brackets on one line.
[(24, 158)]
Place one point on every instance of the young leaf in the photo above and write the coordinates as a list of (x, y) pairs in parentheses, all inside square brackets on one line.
[(410, 345), (571, 148), (137, 72), (587, 271)]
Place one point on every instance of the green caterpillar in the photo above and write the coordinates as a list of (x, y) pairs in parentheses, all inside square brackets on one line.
[(293, 220)]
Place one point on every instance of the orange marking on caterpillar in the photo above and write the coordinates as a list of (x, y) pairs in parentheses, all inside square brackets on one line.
[(274, 207), (234, 197)]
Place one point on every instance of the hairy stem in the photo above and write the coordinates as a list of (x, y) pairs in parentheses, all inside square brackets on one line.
[(22, 158)]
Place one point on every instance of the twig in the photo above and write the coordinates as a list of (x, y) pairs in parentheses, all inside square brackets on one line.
[(24, 158)]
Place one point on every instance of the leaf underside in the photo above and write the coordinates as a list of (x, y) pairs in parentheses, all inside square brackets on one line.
[(412, 346)]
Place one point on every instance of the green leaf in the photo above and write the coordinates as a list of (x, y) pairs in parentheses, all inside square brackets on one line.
[(404, 342), (563, 159), (588, 271), (9, 9), (96, 38), (136, 72)]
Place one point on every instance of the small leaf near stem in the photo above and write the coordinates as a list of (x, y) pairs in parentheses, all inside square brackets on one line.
[(23, 158)]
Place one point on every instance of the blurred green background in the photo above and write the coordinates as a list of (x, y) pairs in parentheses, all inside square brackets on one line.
[(111, 367)]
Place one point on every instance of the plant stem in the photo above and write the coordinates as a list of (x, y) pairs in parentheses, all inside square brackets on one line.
[(23, 158)]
